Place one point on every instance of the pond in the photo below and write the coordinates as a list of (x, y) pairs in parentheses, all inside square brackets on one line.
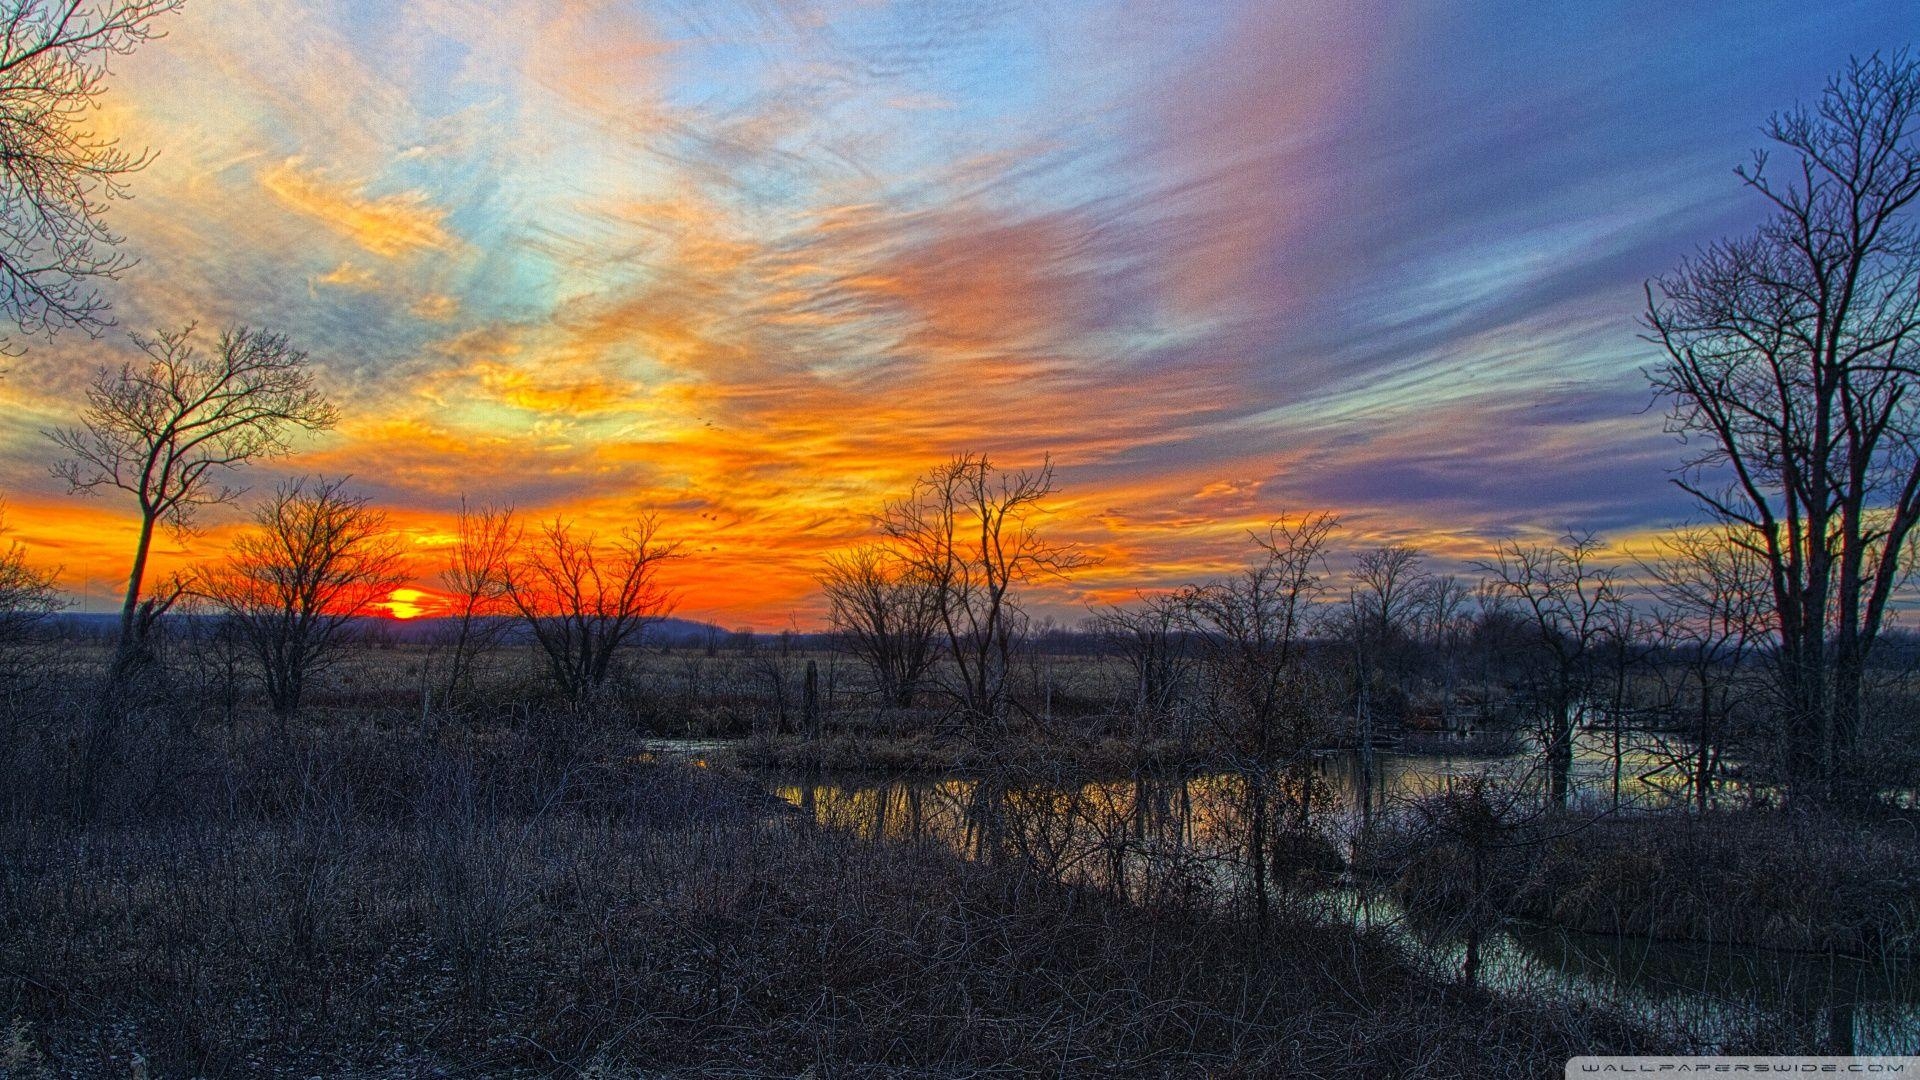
[(1122, 835)]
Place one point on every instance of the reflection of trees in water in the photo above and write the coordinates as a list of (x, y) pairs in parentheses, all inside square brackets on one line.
[(1145, 838), (1067, 824), (1176, 841)]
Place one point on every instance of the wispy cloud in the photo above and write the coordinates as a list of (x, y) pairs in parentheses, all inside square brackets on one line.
[(386, 225), (757, 265)]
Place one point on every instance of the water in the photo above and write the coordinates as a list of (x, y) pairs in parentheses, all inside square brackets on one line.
[(1133, 836)]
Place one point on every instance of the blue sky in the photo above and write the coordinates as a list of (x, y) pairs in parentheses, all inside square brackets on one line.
[(759, 264)]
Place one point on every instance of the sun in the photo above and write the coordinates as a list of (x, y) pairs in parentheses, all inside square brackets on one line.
[(407, 603)]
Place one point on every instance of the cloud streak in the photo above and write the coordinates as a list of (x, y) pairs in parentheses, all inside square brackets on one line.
[(758, 266), (387, 226)]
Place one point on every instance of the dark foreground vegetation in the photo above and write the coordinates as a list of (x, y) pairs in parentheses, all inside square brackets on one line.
[(521, 889), (1469, 861), (358, 900), (1740, 878)]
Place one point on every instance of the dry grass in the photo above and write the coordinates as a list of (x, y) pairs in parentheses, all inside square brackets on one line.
[(371, 903), (1812, 883)]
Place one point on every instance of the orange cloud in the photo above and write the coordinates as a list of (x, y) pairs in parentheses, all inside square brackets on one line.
[(436, 307), (348, 276), (566, 267), (388, 225)]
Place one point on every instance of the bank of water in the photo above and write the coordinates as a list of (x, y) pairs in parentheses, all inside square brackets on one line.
[(1110, 833), (1116, 834)]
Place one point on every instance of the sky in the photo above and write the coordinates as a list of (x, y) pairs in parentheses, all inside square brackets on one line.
[(756, 265)]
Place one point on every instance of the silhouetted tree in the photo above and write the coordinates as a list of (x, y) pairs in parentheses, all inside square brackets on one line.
[(585, 598), (28, 594), (886, 612), (1269, 711), (168, 430), (1790, 368), (971, 530), (1444, 626), (1386, 590), (1712, 615), (475, 580), (1625, 646), (58, 174), (315, 560), (1567, 599), (1153, 638)]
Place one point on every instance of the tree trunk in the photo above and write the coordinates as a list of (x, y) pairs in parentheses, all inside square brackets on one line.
[(1257, 849), (1844, 733), (130, 646), (1560, 755), (1805, 734), (811, 703), (1703, 754)]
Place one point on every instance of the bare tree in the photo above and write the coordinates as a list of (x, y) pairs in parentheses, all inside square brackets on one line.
[(168, 431), (28, 594), (1254, 628), (1568, 599), (886, 612), (1790, 367), (1713, 615), (584, 598), (1625, 646), (1388, 587), (1270, 712), (58, 175), (315, 560), (1444, 626), (971, 530), (475, 579), (1153, 638), (1386, 592)]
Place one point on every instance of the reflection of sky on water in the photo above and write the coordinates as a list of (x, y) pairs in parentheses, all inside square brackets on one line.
[(1098, 832)]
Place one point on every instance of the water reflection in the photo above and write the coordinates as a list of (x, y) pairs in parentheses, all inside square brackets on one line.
[(1179, 840)]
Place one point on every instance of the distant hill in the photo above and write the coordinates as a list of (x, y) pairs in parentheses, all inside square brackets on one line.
[(667, 631)]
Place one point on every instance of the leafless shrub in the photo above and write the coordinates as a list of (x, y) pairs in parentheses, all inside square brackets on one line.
[(1462, 854), (585, 598), (316, 559)]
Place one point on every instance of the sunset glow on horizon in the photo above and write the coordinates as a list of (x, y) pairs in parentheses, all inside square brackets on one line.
[(756, 267)]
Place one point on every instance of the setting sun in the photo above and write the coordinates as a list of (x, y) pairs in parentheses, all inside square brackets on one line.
[(408, 603)]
